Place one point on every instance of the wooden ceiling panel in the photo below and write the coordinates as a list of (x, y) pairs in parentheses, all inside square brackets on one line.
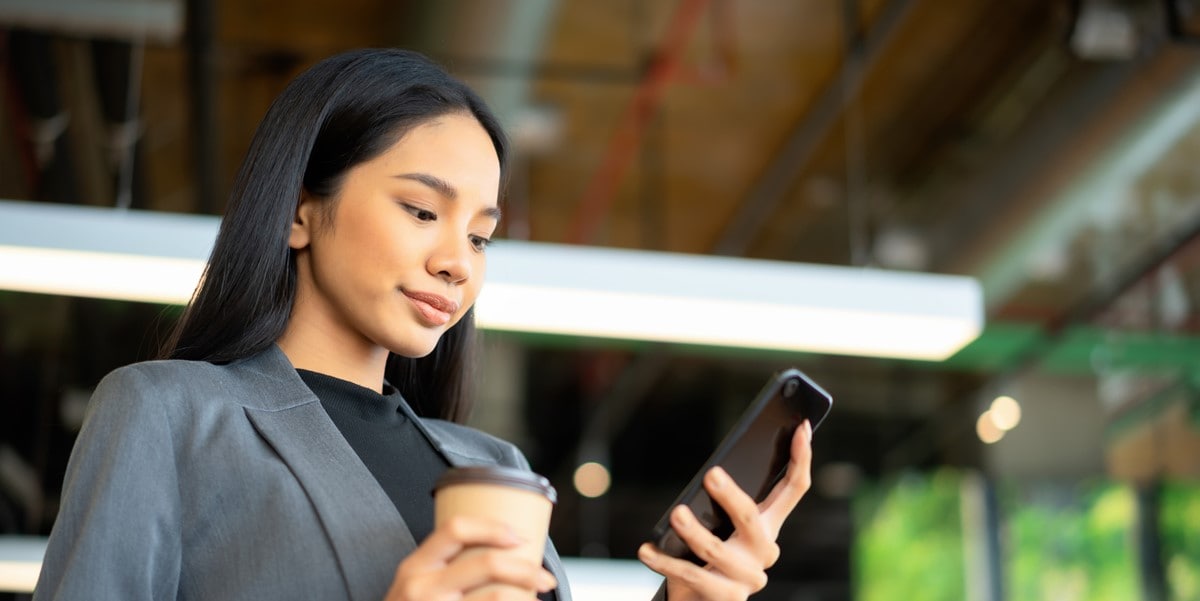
[(746, 67)]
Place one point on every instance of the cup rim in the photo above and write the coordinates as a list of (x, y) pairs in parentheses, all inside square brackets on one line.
[(498, 474)]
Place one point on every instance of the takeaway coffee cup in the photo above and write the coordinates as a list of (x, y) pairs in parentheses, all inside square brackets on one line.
[(521, 499)]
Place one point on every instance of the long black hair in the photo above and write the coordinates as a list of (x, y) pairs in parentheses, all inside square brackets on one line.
[(343, 111)]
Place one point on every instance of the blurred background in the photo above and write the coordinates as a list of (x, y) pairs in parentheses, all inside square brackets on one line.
[(1047, 148)]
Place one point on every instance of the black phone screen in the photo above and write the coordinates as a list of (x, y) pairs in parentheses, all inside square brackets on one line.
[(755, 453)]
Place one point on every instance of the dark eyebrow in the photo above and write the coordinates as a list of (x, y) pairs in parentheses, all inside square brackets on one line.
[(438, 184), (446, 189)]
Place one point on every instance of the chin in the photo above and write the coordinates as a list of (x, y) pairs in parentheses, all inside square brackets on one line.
[(413, 349)]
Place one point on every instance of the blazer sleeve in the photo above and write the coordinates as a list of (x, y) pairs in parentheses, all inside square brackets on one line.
[(117, 535)]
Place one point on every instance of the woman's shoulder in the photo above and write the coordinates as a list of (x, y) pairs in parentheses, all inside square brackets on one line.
[(264, 379), (473, 445), (182, 383), (160, 375), (159, 369)]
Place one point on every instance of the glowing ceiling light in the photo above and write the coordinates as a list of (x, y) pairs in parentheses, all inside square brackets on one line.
[(538, 287)]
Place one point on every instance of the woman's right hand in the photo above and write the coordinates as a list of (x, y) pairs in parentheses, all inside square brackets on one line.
[(439, 570)]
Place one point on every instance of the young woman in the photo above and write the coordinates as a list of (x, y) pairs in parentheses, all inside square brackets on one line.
[(279, 452)]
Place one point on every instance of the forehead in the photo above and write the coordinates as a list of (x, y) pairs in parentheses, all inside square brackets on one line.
[(454, 142)]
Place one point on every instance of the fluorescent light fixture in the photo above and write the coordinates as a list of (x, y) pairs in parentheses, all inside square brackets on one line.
[(158, 20), (20, 562), (594, 579), (544, 288), (103, 253), (728, 301)]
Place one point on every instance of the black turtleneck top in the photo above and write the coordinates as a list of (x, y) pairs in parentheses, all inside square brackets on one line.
[(396, 452)]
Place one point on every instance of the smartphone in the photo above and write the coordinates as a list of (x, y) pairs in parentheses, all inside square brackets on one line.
[(755, 452)]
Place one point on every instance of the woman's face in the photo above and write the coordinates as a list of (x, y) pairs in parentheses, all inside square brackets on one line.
[(400, 257)]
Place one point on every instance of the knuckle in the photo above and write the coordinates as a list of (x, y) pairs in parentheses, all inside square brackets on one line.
[(494, 563), (409, 590), (760, 582), (772, 555), (803, 481), (456, 527), (711, 550), (749, 514)]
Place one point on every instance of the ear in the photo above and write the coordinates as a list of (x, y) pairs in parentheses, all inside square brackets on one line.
[(304, 222)]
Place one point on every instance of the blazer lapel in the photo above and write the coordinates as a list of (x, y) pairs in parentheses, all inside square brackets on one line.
[(368, 535), (354, 510)]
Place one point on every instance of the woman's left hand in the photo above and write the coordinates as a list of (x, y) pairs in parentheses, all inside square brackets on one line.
[(736, 567)]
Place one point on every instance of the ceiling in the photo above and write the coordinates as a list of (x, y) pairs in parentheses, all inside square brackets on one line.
[(1046, 147)]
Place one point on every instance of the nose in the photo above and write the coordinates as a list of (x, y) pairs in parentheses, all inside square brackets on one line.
[(450, 259)]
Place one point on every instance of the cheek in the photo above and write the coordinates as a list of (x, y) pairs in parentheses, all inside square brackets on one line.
[(473, 288)]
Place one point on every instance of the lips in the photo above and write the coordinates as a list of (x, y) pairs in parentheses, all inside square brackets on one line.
[(436, 310)]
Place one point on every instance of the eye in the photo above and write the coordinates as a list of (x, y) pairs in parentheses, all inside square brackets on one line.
[(421, 214), (480, 243)]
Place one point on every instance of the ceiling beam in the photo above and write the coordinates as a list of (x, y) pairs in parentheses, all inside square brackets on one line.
[(802, 144)]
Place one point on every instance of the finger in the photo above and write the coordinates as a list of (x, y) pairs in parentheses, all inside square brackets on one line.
[(795, 483), (747, 520), (449, 538), (738, 562), (482, 567), (713, 586)]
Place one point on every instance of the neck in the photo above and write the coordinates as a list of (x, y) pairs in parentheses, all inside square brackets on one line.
[(310, 346)]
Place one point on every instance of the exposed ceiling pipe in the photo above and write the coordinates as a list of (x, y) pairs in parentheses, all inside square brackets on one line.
[(801, 145), (600, 192), (497, 46), (498, 51)]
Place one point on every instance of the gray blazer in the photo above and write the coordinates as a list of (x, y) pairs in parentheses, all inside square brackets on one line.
[(198, 481)]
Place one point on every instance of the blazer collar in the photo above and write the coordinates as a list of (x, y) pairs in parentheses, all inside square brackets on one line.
[(271, 370), (353, 509), (368, 535)]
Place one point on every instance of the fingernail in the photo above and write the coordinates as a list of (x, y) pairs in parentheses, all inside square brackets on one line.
[(679, 516), (719, 477), (808, 430)]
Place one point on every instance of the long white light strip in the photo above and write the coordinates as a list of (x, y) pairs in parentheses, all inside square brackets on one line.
[(103, 253), (20, 562), (158, 20), (728, 301), (537, 287)]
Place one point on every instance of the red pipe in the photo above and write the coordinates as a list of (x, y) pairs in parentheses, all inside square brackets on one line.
[(600, 193), (19, 116)]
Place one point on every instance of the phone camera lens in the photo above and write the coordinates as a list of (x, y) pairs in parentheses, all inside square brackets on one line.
[(790, 387)]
